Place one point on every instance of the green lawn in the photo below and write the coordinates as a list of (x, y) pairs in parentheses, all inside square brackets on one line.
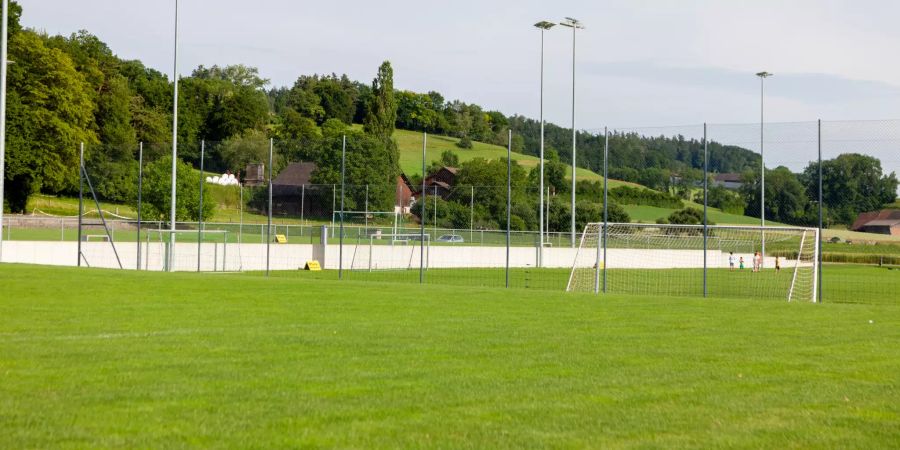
[(127, 359), (410, 145), (842, 283), (649, 214)]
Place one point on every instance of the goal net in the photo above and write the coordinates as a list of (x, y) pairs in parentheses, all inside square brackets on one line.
[(179, 250), (669, 260), (387, 251)]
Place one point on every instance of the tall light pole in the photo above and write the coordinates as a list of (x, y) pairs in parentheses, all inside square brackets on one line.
[(174, 144), (543, 26), (574, 24), (3, 63), (762, 160)]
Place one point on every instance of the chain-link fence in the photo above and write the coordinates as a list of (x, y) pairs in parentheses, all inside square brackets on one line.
[(489, 223)]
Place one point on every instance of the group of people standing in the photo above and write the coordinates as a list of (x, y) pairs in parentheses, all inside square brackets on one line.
[(757, 262)]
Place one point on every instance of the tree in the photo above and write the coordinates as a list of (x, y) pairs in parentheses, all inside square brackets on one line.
[(382, 114), (719, 197), (786, 199), (157, 192), (246, 148), (686, 216), (49, 113), (851, 184), (370, 161), (448, 159)]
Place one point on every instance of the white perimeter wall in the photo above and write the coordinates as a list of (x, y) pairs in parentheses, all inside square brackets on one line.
[(234, 257)]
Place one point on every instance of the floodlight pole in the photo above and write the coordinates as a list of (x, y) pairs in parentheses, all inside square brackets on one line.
[(3, 63), (574, 24), (171, 256), (762, 161), (543, 26)]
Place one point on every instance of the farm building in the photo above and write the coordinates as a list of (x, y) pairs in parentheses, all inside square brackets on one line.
[(441, 182), (293, 190), (728, 180), (886, 221)]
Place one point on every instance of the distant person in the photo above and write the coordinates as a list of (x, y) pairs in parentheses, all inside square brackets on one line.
[(777, 264), (757, 261), (741, 262), (731, 261)]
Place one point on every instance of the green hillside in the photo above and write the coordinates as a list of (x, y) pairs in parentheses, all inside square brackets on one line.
[(410, 145)]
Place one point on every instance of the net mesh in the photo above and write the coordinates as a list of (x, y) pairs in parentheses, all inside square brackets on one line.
[(669, 260)]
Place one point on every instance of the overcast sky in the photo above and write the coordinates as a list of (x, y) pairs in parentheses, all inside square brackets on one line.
[(639, 63)]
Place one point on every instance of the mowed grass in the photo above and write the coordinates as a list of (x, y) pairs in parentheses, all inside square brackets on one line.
[(410, 146), (841, 283), (97, 358)]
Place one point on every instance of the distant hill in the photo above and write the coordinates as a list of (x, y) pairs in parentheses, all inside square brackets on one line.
[(410, 145)]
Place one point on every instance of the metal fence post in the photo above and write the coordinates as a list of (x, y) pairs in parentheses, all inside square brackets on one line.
[(508, 198), (422, 219), (80, 196), (302, 207), (139, 193), (366, 214), (200, 208), (472, 204), (269, 217), (341, 237), (605, 203), (705, 206), (821, 207)]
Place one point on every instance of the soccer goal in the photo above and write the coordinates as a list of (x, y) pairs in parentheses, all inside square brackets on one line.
[(359, 224), (673, 260), (179, 250), (391, 252)]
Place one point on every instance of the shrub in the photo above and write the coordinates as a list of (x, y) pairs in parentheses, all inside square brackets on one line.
[(464, 142)]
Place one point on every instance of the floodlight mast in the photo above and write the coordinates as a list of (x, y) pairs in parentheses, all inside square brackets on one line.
[(3, 62), (543, 26), (762, 160), (171, 256), (575, 25)]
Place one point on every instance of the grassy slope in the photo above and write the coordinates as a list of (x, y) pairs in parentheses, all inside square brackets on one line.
[(243, 361), (410, 145)]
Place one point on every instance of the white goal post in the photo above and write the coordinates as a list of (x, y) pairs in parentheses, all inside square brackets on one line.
[(211, 254), (391, 251), (669, 260)]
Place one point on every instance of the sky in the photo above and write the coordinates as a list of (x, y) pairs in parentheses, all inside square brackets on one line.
[(639, 63)]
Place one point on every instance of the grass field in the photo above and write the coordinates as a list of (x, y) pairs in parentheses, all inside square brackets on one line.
[(244, 361), (410, 146)]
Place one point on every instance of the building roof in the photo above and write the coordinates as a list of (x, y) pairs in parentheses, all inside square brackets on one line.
[(866, 218), (728, 177), (883, 223), (295, 174)]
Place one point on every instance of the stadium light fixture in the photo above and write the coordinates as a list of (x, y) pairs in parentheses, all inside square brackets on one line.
[(543, 26), (575, 25), (762, 159)]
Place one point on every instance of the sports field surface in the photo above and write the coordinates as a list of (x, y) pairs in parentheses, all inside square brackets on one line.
[(99, 358)]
